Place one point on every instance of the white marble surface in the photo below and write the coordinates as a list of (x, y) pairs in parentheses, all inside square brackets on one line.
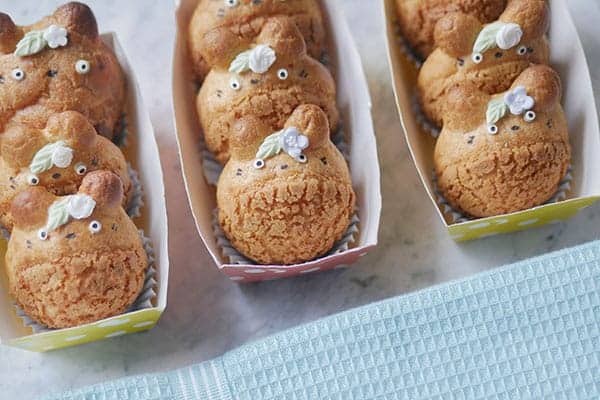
[(208, 315)]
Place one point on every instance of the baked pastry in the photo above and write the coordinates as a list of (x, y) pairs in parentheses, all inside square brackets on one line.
[(267, 81), (417, 18), (220, 29), (498, 154), (76, 259), (285, 197), (56, 158), (59, 64), (490, 56)]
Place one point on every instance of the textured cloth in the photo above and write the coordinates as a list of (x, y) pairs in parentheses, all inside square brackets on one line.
[(527, 331)]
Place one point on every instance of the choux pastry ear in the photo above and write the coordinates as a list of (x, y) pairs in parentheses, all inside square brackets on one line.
[(248, 134), (283, 36), (76, 17), (30, 207), (531, 15), (10, 34), (543, 85), (104, 187), (456, 33), (311, 121), (71, 127)]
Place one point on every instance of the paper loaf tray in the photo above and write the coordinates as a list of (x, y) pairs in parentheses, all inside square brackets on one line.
[(355, 107), (568, 58), (142, 153)]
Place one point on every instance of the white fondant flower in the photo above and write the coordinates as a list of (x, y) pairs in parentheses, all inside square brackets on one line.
[(293, 142), (261, 59), (55, 36), (62, 156), (81, 206), (509, 36), (518, 101)]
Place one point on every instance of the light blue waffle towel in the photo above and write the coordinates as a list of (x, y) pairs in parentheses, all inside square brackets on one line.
[(527, 331)]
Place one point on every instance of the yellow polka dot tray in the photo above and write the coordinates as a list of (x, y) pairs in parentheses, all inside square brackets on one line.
[(580, 186), (140, 149)]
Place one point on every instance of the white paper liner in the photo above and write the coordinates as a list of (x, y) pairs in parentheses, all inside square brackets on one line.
[(143, 301), (457, 217), (235, 257), (136, 202)]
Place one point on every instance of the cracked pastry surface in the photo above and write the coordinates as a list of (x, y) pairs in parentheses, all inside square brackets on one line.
[(219, 29), (83, 75), (286, 212), (86, 269), (517, 168), (226, 97), (452, 62)]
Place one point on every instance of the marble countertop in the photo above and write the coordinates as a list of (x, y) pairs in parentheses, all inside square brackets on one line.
[(207, 314)]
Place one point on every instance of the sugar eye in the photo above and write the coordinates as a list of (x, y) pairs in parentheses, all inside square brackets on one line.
[(231, 3), (235, 84), (282, 74), (42, 234), (530, 116), (18, 74), (80, 169), (259, 163), (492, 129), (522, 50), (82, 67), (33, 180), (302, 159), (95, 227), (477, 58)]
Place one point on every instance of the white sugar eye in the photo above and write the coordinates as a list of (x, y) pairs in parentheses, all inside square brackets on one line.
[(302, 159), (522, 50), (95, 227), (235, 84), (283, 74), (530, 116), (259, 163), (33, 180), (231, 3), (42, 234), (80, 169), (477, 58), (492, 129), (82, 67), (18, 74)]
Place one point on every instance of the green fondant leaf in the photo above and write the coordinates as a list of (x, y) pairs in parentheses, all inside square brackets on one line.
[(270, 146), (241, 63), (32, 43), (42, 161), (487, 37), (58, 214), (496, 110)]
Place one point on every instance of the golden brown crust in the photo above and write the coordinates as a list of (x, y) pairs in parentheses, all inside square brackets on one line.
[(516, 169), (51, 83), (286, 212), (451, 63), (75, 276), (18, 146), (217, 33), (265, 96), (418, 18)]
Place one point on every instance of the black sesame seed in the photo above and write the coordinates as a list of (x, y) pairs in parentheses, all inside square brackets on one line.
[(56, 176), (254, 81), (284, 166), (70, 236), (530, 50), (461, 62), (471, 139), (52, 73), (498, 54), (515, 127), (324, 160)]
